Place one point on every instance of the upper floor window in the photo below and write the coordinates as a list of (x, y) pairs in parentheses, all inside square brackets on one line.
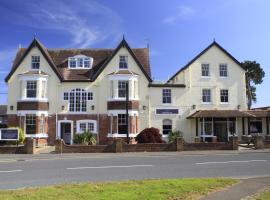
[(166, 96), (122, 91), (223, 70), (123, 62), (80, 62), (35, 62), (77, 99), (205, 70), (224, 96), (206, 96), (31, 89)]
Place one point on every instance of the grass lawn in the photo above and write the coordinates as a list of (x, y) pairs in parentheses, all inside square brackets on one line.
[(264, 196), (145, 189)]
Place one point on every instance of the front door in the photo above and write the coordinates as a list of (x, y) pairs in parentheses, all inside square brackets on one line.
[(66, 132), (220, 130)]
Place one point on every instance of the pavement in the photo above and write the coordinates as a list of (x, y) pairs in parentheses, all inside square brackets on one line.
[(19, 171), (243, 190)]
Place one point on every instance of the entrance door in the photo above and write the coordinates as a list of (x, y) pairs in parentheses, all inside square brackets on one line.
[(66, 132), (220, 130)]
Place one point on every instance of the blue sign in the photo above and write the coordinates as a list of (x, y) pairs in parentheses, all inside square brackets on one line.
[(9, 134)]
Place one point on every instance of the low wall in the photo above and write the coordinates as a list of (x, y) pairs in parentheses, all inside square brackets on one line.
[(148, 147), (12, 149), (27, 148), (267, 144), (119, 146), (208, 146)]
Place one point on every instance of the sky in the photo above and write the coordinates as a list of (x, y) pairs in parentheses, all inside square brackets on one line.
[(176, 31)]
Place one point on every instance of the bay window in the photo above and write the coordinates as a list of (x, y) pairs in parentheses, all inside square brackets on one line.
[(30, 124), (31, 89)]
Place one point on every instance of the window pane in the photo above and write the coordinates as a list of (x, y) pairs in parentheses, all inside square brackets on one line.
[(166, 96), (123, 62), (206, 95), (30, 123), (223, 70), (35, 62), (72, 62), (166, 126), (122, 88), (224, 96), (31, 89), (205, 70), (86, 62), (77, 100)]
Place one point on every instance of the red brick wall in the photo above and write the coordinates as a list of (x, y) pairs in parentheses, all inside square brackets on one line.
[(13, 120), (51, 127)]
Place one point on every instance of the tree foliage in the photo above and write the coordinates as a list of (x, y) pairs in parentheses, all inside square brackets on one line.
[(254, 76)]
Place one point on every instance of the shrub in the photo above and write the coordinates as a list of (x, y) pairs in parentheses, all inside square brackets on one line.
[(175, 134), (86, 137), (149, 135)]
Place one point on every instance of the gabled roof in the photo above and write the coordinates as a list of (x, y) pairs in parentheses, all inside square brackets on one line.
[(214, 43), (58, 60), (22, 53), (145, 68)]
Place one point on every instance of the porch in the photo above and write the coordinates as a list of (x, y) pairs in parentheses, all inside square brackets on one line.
[(219, 125)]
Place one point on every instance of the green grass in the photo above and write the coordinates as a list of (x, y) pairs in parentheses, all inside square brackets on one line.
[(264, 196), (145, 189)]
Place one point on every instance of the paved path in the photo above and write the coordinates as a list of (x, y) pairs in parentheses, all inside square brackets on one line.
[(18, 171), (245, 188)]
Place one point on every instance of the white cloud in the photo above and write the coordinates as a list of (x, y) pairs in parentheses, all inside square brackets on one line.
[(87, 22), (183, 12)]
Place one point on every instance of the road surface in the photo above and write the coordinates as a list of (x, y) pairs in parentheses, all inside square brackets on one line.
[(18, 171)]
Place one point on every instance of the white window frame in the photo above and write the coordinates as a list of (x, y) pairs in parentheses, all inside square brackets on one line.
[(80, 59), (207, 102), (86, 121), (204, 65), (125, 60), (220, 70), (35, 62), (169, 95), (26, 88), (220, 96), (171, 124), (118, 90)]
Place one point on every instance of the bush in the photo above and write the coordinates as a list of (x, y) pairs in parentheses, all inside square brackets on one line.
[(86, 137), (149, 135), (174, 135)]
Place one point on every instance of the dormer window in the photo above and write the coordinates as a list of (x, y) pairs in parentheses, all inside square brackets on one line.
[(35, 62), (123, 62), (80, 62)]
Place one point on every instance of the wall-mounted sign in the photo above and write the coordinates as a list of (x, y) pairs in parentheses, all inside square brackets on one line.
[(9, 134), (167, 111)]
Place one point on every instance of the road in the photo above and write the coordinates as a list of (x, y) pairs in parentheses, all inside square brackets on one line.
[(18, 171)]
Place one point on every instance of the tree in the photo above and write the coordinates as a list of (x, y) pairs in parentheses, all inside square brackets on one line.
[(254, 76)]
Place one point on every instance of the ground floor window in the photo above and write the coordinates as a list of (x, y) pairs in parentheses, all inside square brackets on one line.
[(30, 124), (122, 124), (86, 125), (255, 125), (206, 126), (42, 123), (166, 126)]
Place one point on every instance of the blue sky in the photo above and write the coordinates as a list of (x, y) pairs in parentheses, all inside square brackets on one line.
[(176, 30)]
